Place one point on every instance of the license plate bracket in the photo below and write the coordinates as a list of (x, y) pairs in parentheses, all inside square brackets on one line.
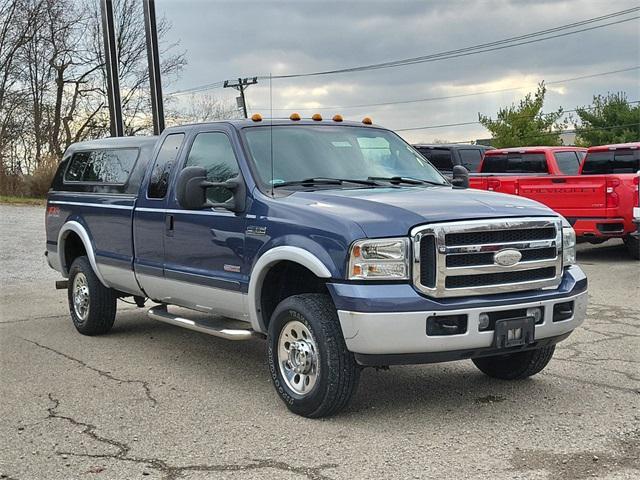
[(514, 332)]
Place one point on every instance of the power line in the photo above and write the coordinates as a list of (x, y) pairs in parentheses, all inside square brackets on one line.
[(478, 123), (449, 97), (480, 48), (470, 50)]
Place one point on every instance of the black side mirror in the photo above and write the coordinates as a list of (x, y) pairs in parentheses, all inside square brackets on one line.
[(460, 177), (192, 185)]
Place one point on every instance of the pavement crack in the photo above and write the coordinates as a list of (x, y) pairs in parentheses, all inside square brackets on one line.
[(173, 472), (592, 383), (103, 373)]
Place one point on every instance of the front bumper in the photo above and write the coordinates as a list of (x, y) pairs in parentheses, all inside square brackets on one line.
[(398, 330)]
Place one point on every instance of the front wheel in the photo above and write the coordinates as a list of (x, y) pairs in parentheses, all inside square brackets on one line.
[(91, 304), (312, 370), (515, 366)]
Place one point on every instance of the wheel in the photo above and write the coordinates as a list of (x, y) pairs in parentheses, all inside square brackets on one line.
[(515, 366), (633, 246), (92, 305), (312, 370)]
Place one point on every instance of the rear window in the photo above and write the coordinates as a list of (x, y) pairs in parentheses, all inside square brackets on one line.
[(613, 161), (109, 167), (471, 159), (439, 157), (568, 162), (515, 163)]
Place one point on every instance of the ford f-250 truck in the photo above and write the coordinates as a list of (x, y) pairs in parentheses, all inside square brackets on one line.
[(335, 240), (597, 197)]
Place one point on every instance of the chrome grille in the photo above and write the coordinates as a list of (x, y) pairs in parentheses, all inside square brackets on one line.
[(458, 258)]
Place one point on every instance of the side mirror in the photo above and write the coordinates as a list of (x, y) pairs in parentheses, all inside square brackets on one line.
[(460, 177), (192, 186)]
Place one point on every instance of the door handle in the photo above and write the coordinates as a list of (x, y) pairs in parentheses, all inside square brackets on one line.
[(168, 223), (558, 180)]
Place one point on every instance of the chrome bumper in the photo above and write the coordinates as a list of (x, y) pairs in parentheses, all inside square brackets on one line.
[(405, 332)]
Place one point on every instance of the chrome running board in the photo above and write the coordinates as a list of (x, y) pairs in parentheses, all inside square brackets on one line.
[(211, 326)]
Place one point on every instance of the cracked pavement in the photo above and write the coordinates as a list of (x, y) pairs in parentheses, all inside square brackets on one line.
[(150, 400)]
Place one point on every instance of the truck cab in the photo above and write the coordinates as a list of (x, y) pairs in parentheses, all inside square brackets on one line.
[(335, 241)]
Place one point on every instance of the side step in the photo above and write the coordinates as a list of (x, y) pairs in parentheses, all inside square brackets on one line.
[(214, 326)]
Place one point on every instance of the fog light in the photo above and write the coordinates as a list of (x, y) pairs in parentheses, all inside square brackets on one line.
[(483, 321), (536, 313)]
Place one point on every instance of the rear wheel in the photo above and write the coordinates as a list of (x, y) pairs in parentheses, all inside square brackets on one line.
[(633, 246), (515, 366), (312, 370), (92, 305)]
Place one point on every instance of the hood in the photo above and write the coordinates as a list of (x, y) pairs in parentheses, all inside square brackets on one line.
[(393, 211)]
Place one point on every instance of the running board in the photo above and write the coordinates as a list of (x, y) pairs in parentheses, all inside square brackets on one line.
[(216, 327)]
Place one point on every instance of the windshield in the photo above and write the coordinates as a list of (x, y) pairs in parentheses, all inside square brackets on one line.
[(308, 151)]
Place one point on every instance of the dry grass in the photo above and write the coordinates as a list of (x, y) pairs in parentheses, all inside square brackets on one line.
[(6, 199)]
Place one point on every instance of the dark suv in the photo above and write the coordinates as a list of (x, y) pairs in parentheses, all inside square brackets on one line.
[(445, 156)]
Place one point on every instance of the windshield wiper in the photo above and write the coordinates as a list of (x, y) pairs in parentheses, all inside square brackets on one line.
[(326, 181), (406, 180)]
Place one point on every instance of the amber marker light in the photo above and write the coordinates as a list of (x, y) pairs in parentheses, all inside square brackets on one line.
[(294, 116), (256, 117), (337, 118), (316, 117), (367, 121)]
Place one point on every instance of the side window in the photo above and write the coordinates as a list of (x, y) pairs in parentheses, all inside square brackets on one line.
[(567, 162), (441, 159), (111, 167), (159, 182), (471, 159), (213, 151)]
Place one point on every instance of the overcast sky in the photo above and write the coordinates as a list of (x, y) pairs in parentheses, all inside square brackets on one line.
[(228, 39)]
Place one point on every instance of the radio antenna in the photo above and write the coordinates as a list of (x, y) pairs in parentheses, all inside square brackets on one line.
[(271, 132)]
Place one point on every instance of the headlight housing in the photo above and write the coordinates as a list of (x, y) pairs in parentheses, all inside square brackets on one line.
[(568, 245), (379, 259)]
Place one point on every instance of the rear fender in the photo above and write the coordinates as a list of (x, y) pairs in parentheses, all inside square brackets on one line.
[(81, 231)]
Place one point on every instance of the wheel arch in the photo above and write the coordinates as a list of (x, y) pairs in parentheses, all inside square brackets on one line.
[(263, 266), (74, 227)]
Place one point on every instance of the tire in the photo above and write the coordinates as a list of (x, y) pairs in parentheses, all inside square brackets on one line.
[(633, 246), (95, 310), (314, 392), (515, 366)]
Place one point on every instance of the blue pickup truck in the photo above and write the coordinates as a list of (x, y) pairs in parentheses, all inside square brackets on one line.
[(336, 241)]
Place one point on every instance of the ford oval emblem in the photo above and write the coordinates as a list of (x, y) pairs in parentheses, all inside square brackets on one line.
[(507, 258)]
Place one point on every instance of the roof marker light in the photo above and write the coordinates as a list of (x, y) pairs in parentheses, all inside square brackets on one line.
[(367, 121), (337, 117), (316, 117), (256, 117), (294, 116)]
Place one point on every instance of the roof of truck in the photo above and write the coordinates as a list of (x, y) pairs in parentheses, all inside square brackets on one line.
[(614, 146), (242, 123), (536, 149), (115, 142), (452, 146)]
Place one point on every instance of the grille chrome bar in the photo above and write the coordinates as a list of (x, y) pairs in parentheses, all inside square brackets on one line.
[(531, 233)]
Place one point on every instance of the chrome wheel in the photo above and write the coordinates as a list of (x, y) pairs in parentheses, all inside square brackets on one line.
[(81, 296), (298, 357)]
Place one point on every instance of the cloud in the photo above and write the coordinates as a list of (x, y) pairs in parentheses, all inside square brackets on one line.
[(228, 39)]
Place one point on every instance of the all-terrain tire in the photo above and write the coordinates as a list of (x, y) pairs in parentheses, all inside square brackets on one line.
[(515, 366), (337, 371), (100, 312)]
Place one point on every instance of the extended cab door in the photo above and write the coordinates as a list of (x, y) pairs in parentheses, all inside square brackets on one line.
[(150, 217), (204, 249)]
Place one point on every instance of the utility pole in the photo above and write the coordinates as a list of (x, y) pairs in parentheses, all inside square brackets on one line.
[(241, 85), (111, 60), (153, 59)]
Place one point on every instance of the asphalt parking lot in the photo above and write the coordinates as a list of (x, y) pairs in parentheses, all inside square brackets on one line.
[(150, 400)]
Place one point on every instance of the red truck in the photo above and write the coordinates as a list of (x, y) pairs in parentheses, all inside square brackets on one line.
[(598, 197)]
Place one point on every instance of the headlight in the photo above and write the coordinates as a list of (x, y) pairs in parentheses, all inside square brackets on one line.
[(568, 246), (380, 259)]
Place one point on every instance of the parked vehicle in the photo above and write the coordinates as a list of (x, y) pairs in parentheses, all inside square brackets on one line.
[(598, 202), (445, 156), (335, 240)]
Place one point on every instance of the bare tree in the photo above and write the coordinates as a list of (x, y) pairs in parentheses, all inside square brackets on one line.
[(202, 108)]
